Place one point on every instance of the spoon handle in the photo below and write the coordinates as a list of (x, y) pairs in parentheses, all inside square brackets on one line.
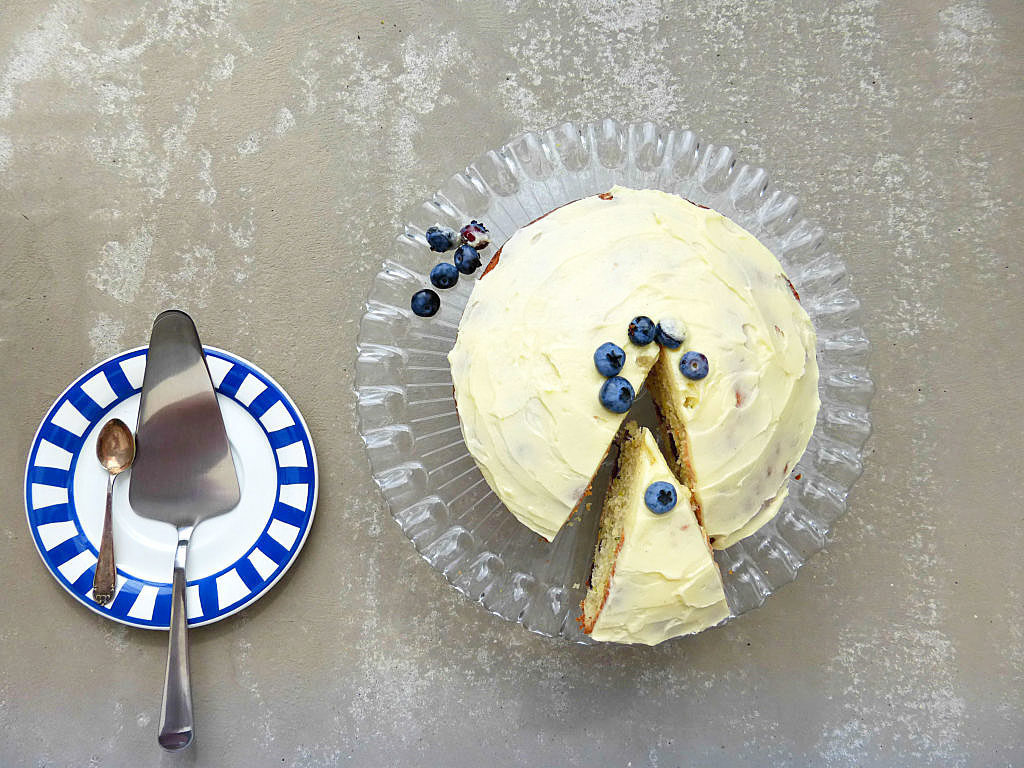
[(176, 725), (103, 581)]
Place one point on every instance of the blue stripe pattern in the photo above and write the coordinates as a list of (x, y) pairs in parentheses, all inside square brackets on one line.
[(293, 475), (64, 552), (232, 381), (125, 599), (85, 405), (208, 596), (60, 436), (84, 582), (289, 514), (285, 436), (119, 383), (132, 586), (163, 601), (271, 547), (250, 576), (50, 476), (262, 402), (55, 514)]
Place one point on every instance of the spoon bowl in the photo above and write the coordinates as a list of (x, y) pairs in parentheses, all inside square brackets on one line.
[(115, 447)]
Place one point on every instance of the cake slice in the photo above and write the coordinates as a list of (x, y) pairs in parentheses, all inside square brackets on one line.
[(653, 576)]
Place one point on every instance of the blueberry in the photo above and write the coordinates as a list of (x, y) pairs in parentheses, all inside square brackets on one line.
[(641, 330), (425, 303), (467, 259), (669, 334), (660, 497), (609, 359), (475, 234), (694, 365), (440, 239), (444, 275), (617, 394)]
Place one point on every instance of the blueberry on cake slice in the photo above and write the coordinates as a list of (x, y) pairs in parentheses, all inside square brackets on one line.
[(653, 576)]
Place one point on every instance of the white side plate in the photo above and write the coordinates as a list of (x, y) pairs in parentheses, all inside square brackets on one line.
[(234, 558)]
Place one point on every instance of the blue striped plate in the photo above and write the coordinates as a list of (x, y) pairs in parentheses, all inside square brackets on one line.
[(234, 558)]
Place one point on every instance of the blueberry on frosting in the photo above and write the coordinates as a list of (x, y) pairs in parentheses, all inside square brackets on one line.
[(444, 275), (617, 394), (425, 303), (694, 366), (475, 234), (609, 359), (660, 497), (440, 239), (641, 330), (467, 259), (669, 333)]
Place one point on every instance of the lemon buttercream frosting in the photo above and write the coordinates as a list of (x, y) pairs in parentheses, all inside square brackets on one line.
[(527, 387)]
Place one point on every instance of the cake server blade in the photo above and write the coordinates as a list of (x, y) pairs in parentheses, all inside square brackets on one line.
[(183, 474)]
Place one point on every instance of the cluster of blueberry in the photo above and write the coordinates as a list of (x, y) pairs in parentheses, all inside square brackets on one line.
[(471, 239), (617, 393), (660, 497)]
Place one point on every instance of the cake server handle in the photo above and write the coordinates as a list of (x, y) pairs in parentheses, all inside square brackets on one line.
[(176, 724)]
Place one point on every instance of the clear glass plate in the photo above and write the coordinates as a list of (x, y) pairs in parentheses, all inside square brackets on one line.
[(407, 413)]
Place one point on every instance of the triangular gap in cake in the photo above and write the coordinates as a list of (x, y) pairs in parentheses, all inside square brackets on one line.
[(610, 533), (673, 431), (667, 406), (582, 503)]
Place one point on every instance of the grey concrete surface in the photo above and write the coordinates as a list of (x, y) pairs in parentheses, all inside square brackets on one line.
[(250, 162)]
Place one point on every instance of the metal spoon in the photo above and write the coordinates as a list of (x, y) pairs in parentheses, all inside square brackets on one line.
[(115, 448)]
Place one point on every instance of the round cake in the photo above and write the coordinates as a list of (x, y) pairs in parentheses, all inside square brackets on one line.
[(732, 368)]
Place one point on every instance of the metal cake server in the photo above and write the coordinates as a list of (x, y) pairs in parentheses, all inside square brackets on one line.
[(183, 474)]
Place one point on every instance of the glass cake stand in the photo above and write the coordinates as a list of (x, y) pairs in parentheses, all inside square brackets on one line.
[(407, 414)]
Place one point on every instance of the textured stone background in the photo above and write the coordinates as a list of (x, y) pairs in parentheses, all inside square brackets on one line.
[(250, 162)]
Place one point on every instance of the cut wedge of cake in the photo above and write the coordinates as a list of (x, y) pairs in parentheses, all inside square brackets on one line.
[(654, 576)]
